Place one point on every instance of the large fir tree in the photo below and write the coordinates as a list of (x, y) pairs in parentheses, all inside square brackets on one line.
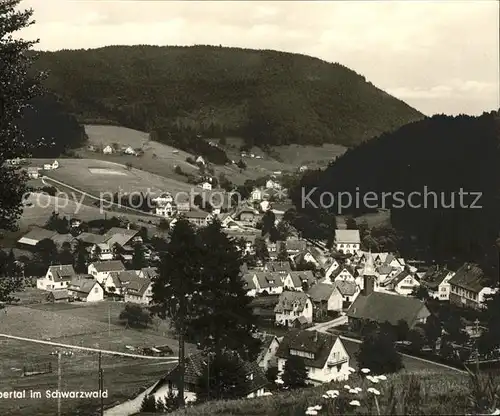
[(224, 318)]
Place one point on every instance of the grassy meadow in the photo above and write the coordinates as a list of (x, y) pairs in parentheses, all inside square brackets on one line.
[(411, 393)]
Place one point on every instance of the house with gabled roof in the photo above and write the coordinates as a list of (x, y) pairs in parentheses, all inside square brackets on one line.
[(437, 282), (57, 277), (324, 355), (101, 269), (347, 241), (194, 370), (293, 306), (349, 292), (85, 289), (115, 283), (250, 284), (325, 298), (269, 347), (403, 283), (298, 280), (150, 273), (470, 286), (139, 290), (269, 282)]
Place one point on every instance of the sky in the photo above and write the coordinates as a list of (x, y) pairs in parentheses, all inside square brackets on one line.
[(437, 56)]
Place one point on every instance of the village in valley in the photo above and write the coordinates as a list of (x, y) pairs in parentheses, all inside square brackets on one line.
[(313, 299), (190, 229)]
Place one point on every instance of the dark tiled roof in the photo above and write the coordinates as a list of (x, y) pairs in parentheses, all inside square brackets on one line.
[(346, 288), (399, 278), (37, 234), (62, 272), (382, 307), (138, 286), (318, 343), (321, 292), (470, 277), (90, 238), (278, 266), (150, 272), (194, 370), (434, 276), (109, 266), (268, 279), (248, 281), (303, 276), (265, 302), (59, 294), (82, 285), (293, 245), (287, 300)]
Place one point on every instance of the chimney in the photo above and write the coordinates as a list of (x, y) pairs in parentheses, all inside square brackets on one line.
[(368, 285)]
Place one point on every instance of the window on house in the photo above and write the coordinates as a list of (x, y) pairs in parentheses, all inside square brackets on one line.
[(96, 290)]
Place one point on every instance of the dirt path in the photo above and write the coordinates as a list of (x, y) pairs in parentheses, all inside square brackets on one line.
[(77, 347)]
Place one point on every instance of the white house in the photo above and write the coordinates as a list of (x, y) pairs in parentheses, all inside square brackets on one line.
[(107, 150), (271, 184), (195, 368), (292, 307), (200, 159), (347, 241), (116, 282), (325, 298), (85, 290), (334, 265), (55, 164), (404, 283), (139, 291), (130, 151), (324, 355), (349, 292), (437, 282), (268, 282), (269, 347), (257, 194), (101, 269), (469, 287), (163, 198), (207, 186), (57, 277)]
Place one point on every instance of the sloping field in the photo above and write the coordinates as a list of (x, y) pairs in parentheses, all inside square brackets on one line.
[(123, 378), (72, 205), (161, 159), (100, 178), (23, 321)]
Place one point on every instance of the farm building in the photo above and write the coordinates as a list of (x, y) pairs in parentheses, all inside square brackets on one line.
[(85, 289), (58, 296), (101, 269), (36, 235)]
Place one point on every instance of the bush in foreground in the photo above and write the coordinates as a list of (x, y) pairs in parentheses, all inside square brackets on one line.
[(422, 392)]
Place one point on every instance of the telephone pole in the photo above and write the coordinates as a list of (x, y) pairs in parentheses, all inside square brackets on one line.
[(101, 384), (109, 319), (180, 387), (477, 344), (59, 383)]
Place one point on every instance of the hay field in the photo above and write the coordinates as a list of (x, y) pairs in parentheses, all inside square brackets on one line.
[(72, 205), (98, 177)]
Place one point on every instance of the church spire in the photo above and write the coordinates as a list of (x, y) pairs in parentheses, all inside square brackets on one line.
[(369, 269)]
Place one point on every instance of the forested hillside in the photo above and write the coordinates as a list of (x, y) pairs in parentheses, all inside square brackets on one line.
[(268, 97), (50, 129), (441, 154)]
